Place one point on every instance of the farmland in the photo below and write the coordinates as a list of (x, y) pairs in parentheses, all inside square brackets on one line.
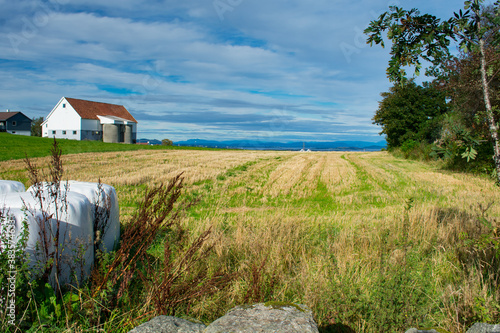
[(366, 240)]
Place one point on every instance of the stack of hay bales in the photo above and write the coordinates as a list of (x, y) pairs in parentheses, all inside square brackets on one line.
[(69, 208)]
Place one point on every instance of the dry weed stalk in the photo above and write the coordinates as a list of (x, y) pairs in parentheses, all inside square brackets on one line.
[(186, 278), (154, 213), (256, 292), (177, 279), (51, 203)]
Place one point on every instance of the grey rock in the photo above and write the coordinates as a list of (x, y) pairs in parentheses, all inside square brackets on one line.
[(278, 318), (484, 328), (168, 324), (414, 330)]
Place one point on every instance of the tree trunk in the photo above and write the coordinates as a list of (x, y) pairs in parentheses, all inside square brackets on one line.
[(489, 110)]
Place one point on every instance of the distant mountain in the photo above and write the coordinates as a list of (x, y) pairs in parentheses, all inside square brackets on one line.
[(152, 142), (297, 145)]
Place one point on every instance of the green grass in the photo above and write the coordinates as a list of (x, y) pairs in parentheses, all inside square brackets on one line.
[(13, 147)]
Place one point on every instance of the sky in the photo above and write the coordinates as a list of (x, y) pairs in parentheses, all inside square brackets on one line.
[(268, 70)]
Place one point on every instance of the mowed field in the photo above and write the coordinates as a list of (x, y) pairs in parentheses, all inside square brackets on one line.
[(369, 242)]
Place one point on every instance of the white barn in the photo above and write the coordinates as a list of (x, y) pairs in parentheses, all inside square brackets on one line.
[(78, 119)]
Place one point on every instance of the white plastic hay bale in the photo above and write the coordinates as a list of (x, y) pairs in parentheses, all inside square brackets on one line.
[(10, 186), (11, 225), (73, 210), (104, 203)]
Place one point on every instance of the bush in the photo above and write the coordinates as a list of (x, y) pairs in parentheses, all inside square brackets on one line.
[(166, 142), (414, 150)]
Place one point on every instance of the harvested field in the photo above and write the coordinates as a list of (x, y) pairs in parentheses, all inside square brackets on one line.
[(341, 232)]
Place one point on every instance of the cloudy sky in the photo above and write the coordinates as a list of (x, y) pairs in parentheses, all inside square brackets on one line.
[(272, 70)]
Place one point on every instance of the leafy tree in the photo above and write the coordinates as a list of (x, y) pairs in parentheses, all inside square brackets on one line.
[(36, 126), (417, 37), (410, 112), (166, 142), (463, 86)]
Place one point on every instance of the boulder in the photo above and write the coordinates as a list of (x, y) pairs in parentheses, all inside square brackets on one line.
[(167, 324), (414, 330), (269, 317), (484, 328)]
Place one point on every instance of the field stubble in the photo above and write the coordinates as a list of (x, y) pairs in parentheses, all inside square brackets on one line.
[(364, 239)]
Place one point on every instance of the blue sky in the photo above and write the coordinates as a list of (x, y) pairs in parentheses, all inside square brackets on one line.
[(276, 70)]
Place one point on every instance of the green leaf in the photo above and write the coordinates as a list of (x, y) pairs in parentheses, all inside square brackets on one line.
[(490, 71), (470, 154)]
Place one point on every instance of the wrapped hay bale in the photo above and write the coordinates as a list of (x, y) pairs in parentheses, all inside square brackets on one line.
[(46, 213), (105, 211)]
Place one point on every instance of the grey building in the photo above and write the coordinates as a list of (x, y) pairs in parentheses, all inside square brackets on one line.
[(15, 123)]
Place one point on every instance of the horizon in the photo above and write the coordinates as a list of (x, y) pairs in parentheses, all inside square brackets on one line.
[(274, 145)]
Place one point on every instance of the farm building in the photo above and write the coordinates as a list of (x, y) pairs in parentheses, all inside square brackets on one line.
[(15, 123), (78, 119)]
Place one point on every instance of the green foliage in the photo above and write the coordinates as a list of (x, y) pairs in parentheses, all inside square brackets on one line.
[(408, 146), (480, 247), (413, 37), (418, 37), (456, 140), (36, 126), (462, 148), (166, 142), (48, 309), (410, 113), (414, 150), (400, 297)]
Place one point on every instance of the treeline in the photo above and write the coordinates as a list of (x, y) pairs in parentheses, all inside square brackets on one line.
[(454, 116)]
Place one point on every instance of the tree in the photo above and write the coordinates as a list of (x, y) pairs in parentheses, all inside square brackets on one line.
[(426, 37), (36, 126), (166, 142), (410, 112), (463, 87)]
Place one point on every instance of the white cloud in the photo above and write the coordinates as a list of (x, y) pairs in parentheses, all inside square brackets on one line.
[(307, 57)]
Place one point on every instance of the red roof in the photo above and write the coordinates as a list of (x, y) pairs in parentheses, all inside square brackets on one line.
[(7, 115), (90, 110)]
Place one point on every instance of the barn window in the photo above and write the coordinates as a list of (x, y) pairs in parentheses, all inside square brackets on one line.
[(74, 132), (14, 123), (64, 132), (64, 106), (53, 132)]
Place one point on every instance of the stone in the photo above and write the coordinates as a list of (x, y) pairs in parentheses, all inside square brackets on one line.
[(414, 330), (484, 328), (269, 317), (168, 324)]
